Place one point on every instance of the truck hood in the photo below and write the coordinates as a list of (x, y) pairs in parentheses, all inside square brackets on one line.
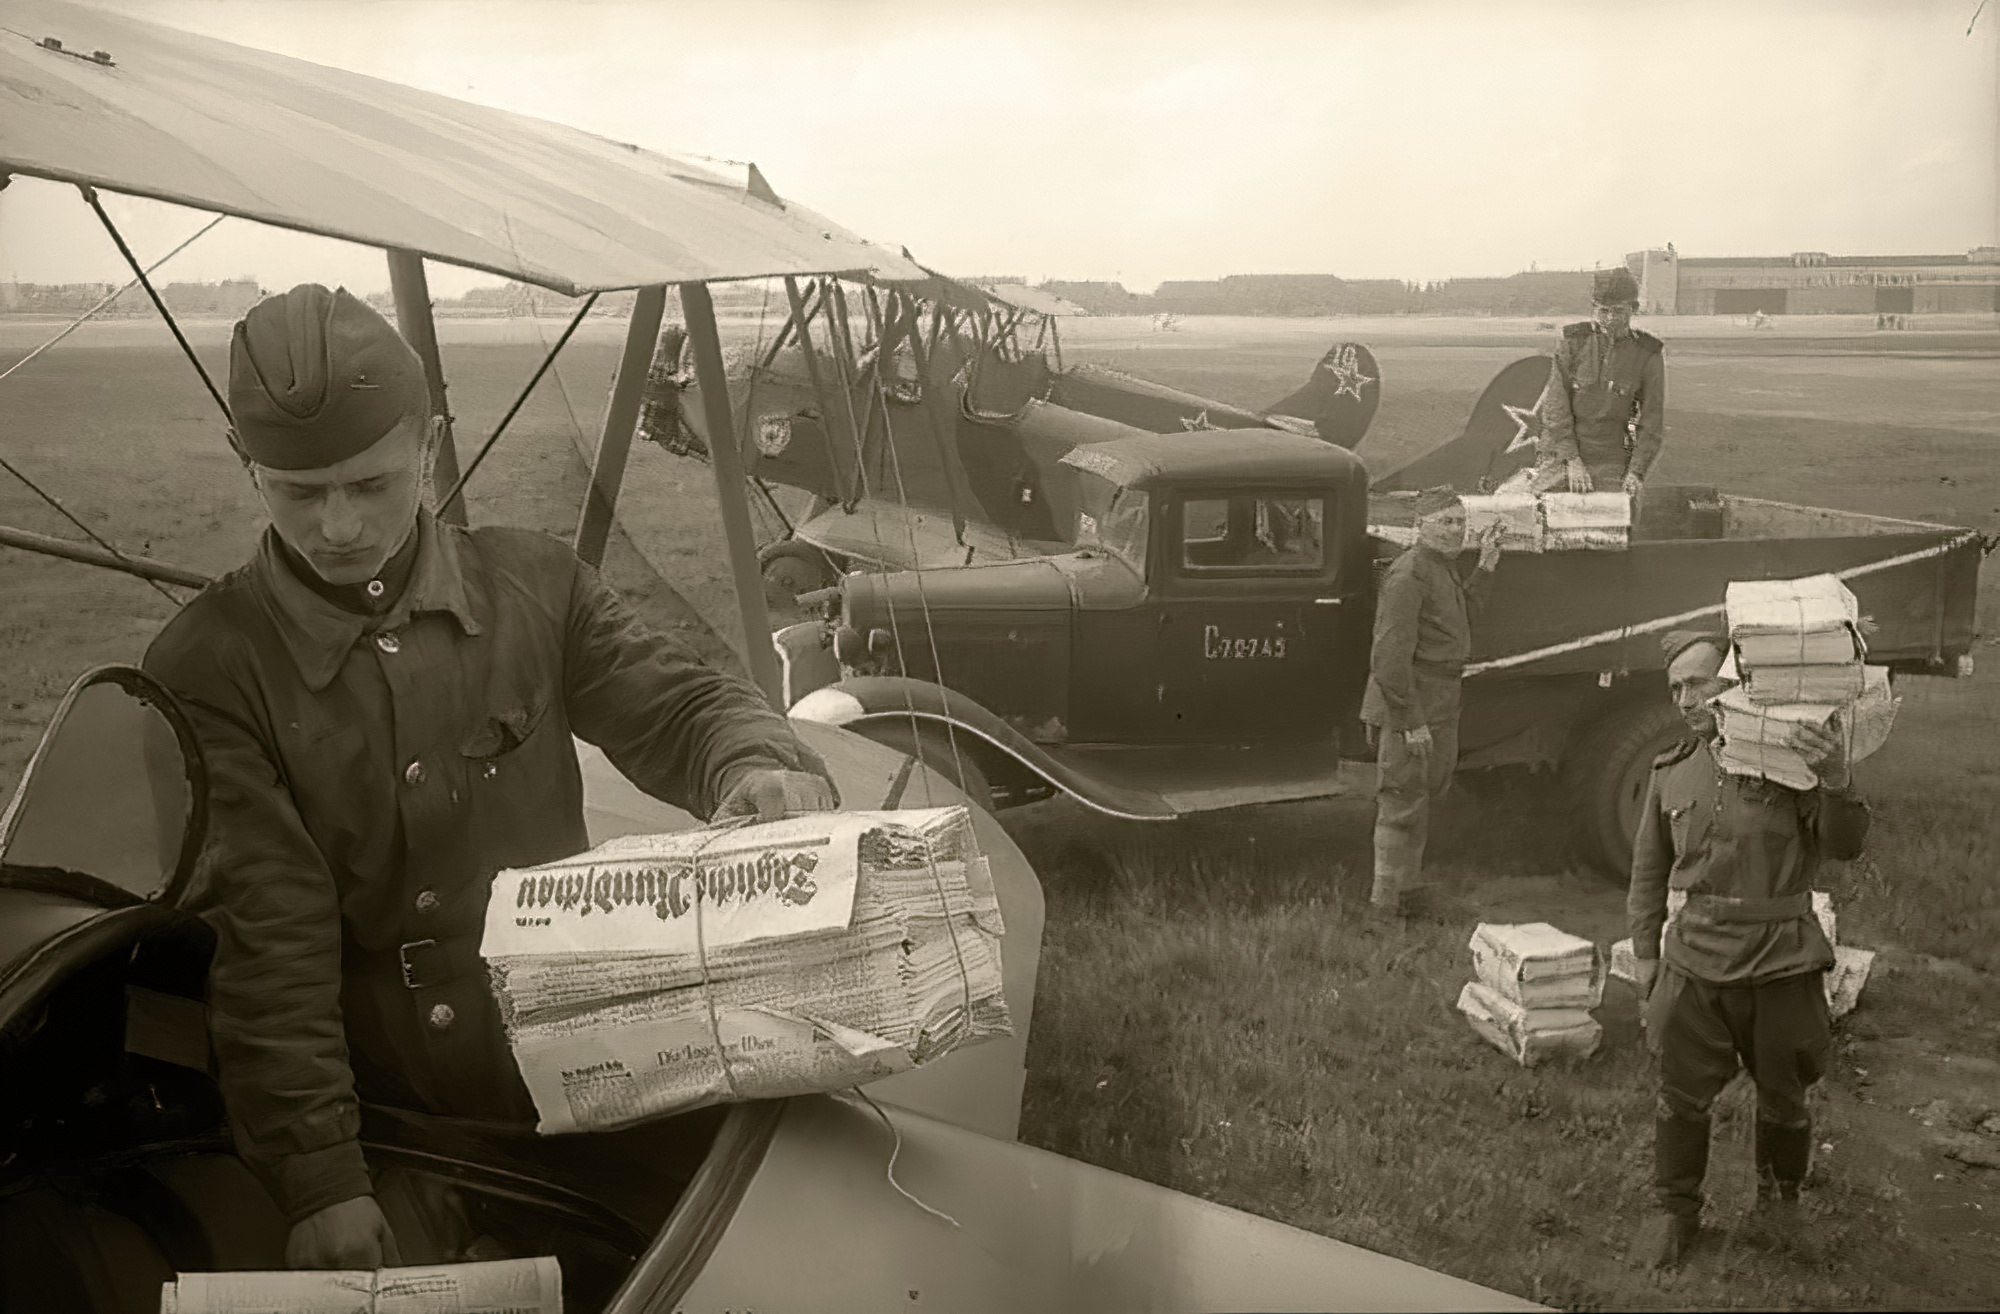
[(1038, 585)]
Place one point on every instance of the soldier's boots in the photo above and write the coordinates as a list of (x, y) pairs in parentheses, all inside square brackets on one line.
[(1680, 1161), (1783, 1155)]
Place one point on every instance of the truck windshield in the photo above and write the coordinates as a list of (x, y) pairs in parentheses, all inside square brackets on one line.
[(1122, 532), (1246, 532)]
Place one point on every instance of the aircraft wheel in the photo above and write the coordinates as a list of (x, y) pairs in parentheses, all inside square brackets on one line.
[(931, 746), (1604, 775), (794, 568)]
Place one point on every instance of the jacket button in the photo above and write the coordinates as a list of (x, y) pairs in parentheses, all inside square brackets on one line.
[(388, 642), (489, 771), (442, 1016), (427, 901), (413, 774)]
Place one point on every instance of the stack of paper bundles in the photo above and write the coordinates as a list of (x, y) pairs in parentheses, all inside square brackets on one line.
[(1519, 515), (1796, 640), (1586, 521), (1533, 992), (661, 973), (1755, 739), (1843, 982)]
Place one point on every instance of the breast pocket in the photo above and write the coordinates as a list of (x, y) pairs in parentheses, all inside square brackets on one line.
[(522, 784)]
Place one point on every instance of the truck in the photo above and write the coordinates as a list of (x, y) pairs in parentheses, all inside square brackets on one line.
[(1205, 643)]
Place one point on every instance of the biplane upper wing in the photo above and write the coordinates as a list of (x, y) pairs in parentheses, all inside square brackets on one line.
[(221, 127)]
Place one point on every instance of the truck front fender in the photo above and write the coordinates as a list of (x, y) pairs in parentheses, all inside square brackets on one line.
[(881, 700)]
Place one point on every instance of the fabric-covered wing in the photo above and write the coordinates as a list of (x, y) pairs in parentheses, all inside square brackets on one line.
[(222, 127)]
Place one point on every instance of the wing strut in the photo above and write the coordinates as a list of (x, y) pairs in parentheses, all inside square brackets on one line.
[(614, 442)]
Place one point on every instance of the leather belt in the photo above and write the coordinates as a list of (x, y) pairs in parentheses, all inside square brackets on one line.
[(1720, 908)]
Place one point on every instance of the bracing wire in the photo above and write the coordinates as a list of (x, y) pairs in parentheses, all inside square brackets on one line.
[(923, 600)]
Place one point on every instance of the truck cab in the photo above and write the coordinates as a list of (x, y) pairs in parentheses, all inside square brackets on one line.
[(1212, 625)]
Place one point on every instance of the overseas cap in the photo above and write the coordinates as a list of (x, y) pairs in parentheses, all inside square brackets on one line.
[(1614, 287), (1433, 500), (1676, 642), (316, 377)]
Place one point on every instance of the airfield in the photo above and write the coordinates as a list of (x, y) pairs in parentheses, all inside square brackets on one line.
[(1212, 1014)]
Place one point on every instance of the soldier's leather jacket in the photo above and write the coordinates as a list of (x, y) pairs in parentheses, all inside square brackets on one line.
[(369, 777), (1745, 851)]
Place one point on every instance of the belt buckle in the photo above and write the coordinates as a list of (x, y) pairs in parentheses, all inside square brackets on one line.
[(409, 968)]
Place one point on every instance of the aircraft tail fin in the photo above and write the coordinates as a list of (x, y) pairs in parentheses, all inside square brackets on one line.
[(1340, 398), (1500, 439)]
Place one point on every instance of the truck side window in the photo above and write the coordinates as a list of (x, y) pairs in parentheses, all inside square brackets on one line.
[(1252, 533)]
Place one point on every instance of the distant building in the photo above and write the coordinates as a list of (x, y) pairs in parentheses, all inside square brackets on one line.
[(1815, 283)]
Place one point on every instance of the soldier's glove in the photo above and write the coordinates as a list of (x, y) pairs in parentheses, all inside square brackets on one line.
[(1633, 483), (1489, 547), (771, 793), (1824, 752), (1579, 477)]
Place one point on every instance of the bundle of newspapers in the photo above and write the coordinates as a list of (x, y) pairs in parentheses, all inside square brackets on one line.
[(1796, 640), (1843, 982), (507, 1286), (1532, 991), (1551, 522), (660, 973), (1796, 658)]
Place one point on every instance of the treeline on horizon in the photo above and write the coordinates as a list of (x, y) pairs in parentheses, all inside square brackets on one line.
[(1540, 292)]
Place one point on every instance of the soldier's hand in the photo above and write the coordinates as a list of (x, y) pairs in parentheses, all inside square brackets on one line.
[(1579, 477), (1823, 751), (1419, 740), (351, 1234), (1645, 970), (1633, 483), (769, 794), (1489, 546)]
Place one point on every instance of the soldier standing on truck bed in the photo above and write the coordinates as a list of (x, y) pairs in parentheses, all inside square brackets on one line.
[(1603, 408), (1423, 634), (1741, 972)]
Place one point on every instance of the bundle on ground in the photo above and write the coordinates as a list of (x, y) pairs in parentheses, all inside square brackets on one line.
[(1534, 989), (661, 973)]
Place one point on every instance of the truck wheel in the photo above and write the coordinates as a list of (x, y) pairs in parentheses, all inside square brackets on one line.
[(794, 568), (930, 745), (1604, 775)]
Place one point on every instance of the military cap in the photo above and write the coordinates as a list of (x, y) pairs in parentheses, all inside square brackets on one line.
[(1614, 287), (1676, 642), (316, 377), (1433, 500)]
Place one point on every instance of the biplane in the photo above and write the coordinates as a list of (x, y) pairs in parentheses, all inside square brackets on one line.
[(113, 1144)]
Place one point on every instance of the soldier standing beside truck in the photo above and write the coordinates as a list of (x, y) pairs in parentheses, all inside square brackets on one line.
[(1741, 973), (1423, 635), (1603, 409)]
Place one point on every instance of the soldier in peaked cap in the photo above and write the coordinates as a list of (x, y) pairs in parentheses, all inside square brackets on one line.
[(1423, 635), (1739, 975), (1603, 409), (386, 704)]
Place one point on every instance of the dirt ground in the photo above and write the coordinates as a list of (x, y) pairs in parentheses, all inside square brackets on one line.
[(1902, 423)]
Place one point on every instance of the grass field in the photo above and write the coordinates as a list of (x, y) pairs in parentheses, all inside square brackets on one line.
[(1212, 1012)]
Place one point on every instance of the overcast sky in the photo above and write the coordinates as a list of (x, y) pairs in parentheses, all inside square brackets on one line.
[(1143, 141)]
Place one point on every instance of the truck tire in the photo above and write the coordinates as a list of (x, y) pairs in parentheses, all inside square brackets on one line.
[(1604, 775), (929, 743)]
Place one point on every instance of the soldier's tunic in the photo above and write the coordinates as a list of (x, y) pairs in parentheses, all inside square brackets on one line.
[(1423, 636), (1742, 967), (369, 775), (1597, 386)]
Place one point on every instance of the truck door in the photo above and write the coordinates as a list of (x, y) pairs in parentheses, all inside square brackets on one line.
[(1249, 623)]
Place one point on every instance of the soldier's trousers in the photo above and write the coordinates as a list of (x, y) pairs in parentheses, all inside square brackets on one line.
[(1409, 782), (1780, 1031)]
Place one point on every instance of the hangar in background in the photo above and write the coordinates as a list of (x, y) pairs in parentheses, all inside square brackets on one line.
[(1815, 283)]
